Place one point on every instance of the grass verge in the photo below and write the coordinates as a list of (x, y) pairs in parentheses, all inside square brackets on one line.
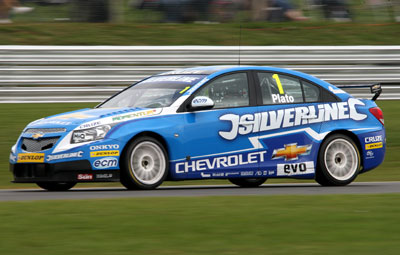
[(308, 33), (332, 224), (16, 116)]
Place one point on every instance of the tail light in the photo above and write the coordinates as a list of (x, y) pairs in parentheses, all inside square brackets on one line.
[(377, 112)]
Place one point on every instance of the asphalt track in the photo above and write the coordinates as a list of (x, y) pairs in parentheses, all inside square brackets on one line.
[(196, 191)]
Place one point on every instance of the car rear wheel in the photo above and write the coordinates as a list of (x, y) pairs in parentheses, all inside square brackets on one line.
[(144, 165), (56, 186), (248, 182), (338, 161)]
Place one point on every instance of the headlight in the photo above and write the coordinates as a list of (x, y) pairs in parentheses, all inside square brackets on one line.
[(91, 134)]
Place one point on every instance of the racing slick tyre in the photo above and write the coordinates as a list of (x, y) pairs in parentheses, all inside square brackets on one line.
[(248, 182), (56, 186), (144, 164), (338, 161)]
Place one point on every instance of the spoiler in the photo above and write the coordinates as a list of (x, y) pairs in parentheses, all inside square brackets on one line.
[(376, 88)]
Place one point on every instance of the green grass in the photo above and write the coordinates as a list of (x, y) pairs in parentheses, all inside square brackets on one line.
[(16, 116), (311, 33), (331, 224)]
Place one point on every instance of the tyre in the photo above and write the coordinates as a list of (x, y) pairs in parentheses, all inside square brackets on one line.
[(248, 182), (56, 186), (144, 164), (338, 161)]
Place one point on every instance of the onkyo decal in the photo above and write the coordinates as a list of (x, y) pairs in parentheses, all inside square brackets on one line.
[(289, 117), (104, 147)]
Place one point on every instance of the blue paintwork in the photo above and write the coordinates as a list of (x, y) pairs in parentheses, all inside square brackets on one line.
[(196, 135)]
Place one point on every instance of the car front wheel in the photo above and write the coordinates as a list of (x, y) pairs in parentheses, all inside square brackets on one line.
[(145, 164), (338, 161)]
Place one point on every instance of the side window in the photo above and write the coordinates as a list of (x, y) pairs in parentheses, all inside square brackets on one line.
[(280, 89), (228, 91), (311, 92)]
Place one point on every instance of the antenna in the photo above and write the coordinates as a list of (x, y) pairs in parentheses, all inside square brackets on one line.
[(240, 41)]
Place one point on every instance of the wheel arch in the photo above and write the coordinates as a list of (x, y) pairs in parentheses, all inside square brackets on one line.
[(154, 135), (353, 137)]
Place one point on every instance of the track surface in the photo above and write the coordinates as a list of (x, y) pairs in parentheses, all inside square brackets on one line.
[(193, 191)]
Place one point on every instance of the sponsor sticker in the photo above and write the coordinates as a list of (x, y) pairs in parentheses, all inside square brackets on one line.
[(134, 115), (295, 168), (247, 173), (104, 147), (291, 151), (78, 154), (104, 163), (290, 117), (94, 154), (220, 162), (373, 139), (30, 157), (372, 146), (370, 154), (104, 176), (85, 177)]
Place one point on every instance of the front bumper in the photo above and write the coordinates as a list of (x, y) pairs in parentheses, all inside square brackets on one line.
[(71, 171)]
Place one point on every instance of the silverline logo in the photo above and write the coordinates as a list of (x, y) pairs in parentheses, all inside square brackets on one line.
[(290, 117)]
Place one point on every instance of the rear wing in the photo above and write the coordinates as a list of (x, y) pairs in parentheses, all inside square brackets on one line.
[(376, 88)]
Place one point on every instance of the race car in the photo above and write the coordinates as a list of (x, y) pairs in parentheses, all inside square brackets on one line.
[(244, 124)]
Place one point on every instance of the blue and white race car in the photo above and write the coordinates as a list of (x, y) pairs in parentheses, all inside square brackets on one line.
[(244, 124)]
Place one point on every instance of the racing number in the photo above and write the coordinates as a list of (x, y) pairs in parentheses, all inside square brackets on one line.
[(278, 82)]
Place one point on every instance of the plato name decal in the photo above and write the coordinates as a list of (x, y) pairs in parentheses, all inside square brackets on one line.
[(289, 117), (282, 99), (219, 162), (295, 169)]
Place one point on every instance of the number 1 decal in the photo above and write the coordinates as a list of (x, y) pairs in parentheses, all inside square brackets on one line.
[(278, 82)]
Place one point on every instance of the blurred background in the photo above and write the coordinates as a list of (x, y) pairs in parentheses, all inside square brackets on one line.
[(200, 11)]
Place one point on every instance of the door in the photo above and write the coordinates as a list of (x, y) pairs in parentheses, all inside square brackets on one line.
[(216, 141), (289, 125)]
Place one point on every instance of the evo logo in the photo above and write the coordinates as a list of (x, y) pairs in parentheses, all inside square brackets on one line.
[(295, 168)]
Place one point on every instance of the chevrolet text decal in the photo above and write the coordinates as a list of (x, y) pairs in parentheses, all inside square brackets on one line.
[(290, 117)]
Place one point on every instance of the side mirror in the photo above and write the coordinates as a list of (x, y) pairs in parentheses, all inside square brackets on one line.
[(201, 103)]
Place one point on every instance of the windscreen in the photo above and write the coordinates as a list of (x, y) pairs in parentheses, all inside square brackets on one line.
[(155, 92)]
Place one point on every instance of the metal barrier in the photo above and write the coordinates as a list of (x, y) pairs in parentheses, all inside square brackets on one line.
[(93, 73)]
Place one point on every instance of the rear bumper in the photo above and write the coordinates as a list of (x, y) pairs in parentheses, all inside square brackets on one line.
[(72, 171)]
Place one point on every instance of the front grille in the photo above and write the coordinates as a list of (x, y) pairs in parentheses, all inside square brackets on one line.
[(44, 130), (32, 145)]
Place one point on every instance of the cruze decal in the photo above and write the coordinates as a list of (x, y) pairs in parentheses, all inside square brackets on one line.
[(289, 117)]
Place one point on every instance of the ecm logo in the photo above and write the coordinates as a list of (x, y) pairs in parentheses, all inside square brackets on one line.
[(105, 163)]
